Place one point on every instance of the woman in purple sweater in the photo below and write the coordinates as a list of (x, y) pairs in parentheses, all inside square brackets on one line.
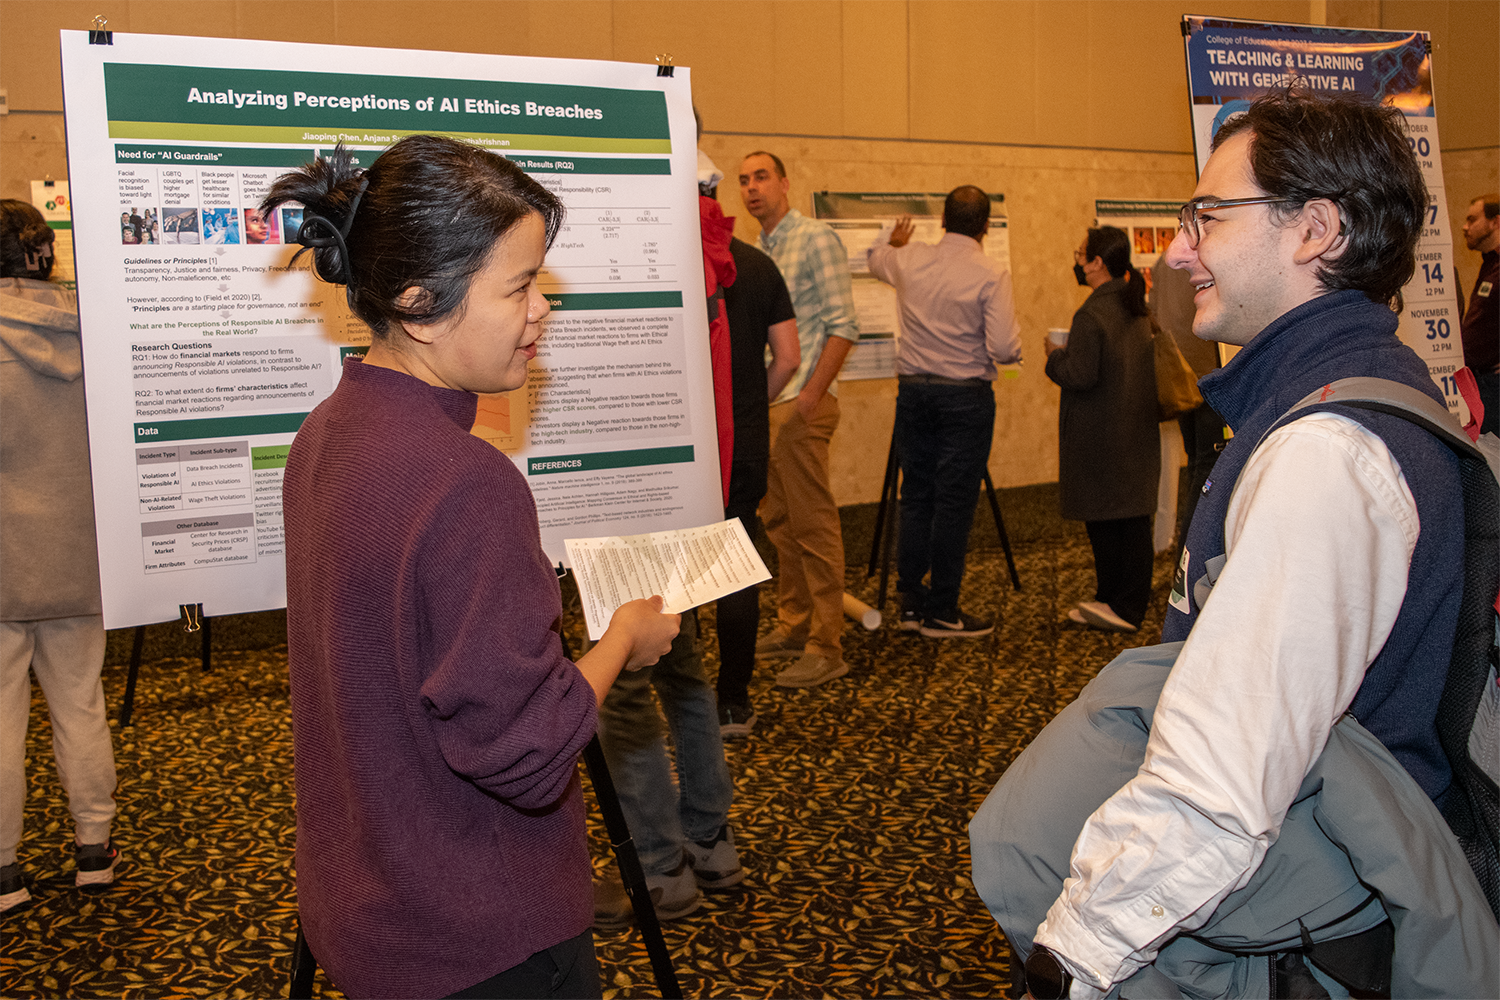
[(440, 825)]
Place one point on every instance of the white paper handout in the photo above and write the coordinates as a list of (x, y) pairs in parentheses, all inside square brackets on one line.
[(687, 567)]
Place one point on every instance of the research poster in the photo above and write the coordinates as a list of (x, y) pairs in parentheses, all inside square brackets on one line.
[(1230, 63), (206, 347), (860, 218), (1150, 224)]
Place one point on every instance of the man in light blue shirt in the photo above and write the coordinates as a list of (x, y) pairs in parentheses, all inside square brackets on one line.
[(799, 511)]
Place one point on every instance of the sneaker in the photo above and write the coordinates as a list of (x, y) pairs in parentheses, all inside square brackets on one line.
[(1074, 615), (811, 670), (612, 910), (956, 625), (779, 642), (911, 610), (13, 894), (716, 863), (736, 721), (1102, 616), (96, 865), (673, 895)]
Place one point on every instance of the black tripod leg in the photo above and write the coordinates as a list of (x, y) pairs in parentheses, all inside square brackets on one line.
[(135, 668), (1010, 559), (208, 630), (304, 967), (886, 519), (630, 870), (885, 496)]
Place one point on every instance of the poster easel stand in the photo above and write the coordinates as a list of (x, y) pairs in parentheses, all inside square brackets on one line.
[(196, 621), (887, 516), (632, 876)]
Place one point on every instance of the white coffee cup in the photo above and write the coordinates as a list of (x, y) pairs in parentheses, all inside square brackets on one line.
[(1058, 335)]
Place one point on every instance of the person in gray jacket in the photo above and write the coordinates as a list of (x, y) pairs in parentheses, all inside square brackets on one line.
[(51, 621), (1109, 451)]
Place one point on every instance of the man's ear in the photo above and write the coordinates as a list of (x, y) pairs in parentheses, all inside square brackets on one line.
[(1321, 228), (416, 299)]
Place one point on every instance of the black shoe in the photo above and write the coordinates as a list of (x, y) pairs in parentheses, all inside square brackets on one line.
[(956, 625), (911, 621), (14, 896), (96, 866), (736, 721)]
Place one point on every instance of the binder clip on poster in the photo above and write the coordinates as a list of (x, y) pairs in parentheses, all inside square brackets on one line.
[(664, 64), (97, 34)]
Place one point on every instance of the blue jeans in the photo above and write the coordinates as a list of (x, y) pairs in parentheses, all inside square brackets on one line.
[(661, 813), (943, 435)]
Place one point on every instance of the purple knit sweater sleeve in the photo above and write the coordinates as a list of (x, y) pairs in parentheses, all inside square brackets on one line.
[(505, 703)]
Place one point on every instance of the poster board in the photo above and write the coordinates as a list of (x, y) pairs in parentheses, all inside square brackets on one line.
[(860, 218), (206, 347), (1230, 63), (1151, 225), (51, 198)]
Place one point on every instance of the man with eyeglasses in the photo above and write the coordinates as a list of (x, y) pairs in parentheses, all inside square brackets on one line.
[(1332, 546), (1481, 321)]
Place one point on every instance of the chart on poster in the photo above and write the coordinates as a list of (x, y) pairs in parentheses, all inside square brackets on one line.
[(1230, 63), (206, 345)]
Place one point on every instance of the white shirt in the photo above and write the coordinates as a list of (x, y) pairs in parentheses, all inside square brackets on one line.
[(1319, 538)]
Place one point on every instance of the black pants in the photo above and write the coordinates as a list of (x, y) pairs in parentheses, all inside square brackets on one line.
[(1122, 563), (738, 614), (565, 971)]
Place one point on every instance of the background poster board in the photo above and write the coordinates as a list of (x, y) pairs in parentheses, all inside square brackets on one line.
[(51, 198), (206, 347), (1150, 224), (1230, 63), (860, 218)]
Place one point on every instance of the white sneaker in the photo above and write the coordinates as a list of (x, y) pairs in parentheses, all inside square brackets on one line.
[(1102, 616)]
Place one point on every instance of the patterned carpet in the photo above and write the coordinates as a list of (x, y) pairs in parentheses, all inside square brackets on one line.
[(852, 801)]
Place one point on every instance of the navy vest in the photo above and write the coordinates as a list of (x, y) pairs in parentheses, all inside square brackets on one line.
[(1338, 336)]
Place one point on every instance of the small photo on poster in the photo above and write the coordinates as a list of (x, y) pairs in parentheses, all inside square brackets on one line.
[(1164, 238), (180, 225), (1145, 240), (291, 223), (261, 228), (138, 226), (221, 225)]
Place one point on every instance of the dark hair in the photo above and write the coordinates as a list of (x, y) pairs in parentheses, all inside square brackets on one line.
[(25, 241), (427, 214), (966, 211), (1491, 204), (780, 167), (1352, 151), (1112, 245)]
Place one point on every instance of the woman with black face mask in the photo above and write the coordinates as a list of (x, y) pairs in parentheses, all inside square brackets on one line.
[(1109, 452)]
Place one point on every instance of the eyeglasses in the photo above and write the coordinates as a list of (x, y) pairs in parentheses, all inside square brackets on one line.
[(1187, 217)]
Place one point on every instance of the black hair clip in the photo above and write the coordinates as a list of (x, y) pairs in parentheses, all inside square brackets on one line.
[(337, 237)]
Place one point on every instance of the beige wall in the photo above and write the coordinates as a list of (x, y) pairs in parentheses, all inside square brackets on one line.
[(1053, 102)]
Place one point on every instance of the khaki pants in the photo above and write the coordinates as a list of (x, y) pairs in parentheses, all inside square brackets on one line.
[(802, 521), (66, 654)]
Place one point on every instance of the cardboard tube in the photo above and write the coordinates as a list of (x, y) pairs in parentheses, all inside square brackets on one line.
[(861, 612)]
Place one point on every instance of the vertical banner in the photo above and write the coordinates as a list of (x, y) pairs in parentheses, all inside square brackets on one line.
[(206, 347), (861, 219), (1230, 63)]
